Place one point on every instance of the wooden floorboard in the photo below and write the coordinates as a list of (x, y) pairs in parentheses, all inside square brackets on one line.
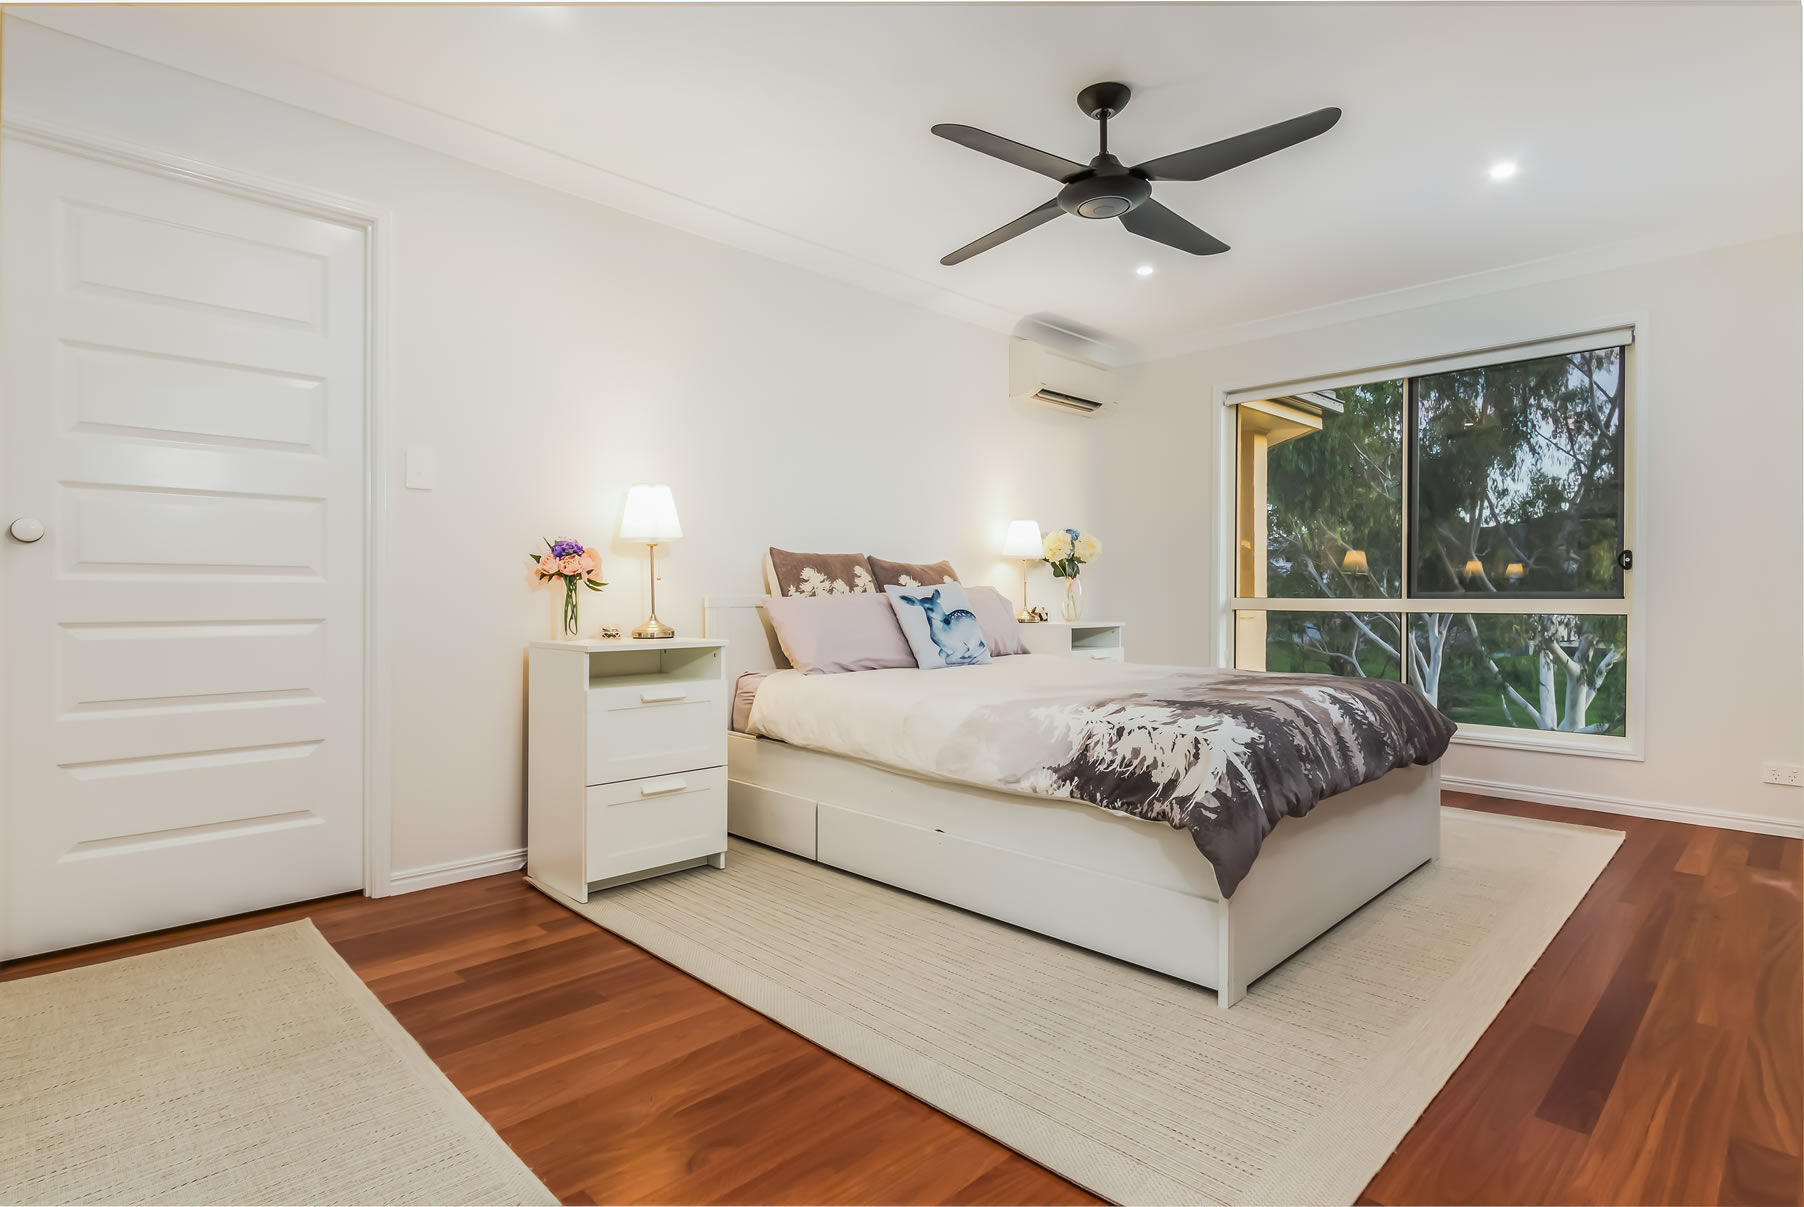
[(1655, 1054)]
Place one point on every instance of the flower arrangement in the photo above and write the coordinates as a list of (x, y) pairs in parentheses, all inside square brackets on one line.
[(1067, 550), (575, 564)]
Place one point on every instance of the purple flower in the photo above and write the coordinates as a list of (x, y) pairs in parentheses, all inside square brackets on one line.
[(562, 549)]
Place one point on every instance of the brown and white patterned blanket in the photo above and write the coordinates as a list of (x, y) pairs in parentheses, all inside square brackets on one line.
[(1223, 754)]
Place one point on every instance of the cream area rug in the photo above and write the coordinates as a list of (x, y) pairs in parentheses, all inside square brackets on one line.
[(256, 1068), (1131, 1084)]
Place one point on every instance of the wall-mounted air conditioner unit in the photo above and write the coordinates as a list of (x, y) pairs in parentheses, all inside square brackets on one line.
[(1038, 374)]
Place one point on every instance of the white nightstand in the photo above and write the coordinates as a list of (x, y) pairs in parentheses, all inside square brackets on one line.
[(626, 761), (1098, 639)]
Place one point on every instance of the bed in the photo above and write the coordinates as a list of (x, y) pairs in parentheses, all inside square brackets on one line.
[(1135, 889)]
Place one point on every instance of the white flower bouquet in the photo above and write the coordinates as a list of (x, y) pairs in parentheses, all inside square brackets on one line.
[(1066, 550)]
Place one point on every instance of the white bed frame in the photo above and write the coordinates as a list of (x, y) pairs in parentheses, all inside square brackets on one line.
[(1136, 890)]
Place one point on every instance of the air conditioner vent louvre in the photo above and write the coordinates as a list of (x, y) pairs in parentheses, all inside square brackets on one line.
[(1070, 402)]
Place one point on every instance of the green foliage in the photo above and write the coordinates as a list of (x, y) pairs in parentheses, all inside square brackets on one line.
[(1521, 464), (1335, 490), (1516, 464)]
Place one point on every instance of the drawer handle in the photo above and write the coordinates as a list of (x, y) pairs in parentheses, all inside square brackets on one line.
[(663, 787), (662, 695), (1103, 655)]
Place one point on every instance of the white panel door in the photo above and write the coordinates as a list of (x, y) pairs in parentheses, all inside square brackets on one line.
[(184, 412)]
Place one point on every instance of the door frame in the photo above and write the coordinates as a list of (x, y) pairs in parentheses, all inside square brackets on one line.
[(376, 223)]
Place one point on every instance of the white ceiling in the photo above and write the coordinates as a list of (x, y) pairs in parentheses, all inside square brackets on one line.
[(802, 131)]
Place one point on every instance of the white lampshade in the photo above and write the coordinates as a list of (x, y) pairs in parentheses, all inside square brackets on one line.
[(650, 515), (1023, 539)]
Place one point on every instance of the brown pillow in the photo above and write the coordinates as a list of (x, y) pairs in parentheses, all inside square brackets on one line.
[(912, 574), (821, 573)]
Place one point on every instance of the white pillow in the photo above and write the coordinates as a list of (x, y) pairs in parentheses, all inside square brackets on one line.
[(939, 624)]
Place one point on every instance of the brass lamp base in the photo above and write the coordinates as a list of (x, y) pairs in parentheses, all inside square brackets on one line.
[(653, 629), (1025, 617)]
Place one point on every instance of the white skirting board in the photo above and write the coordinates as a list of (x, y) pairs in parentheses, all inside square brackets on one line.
[(414, 879), (1753, 823)]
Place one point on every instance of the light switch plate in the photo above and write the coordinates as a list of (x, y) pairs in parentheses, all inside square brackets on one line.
[(422, 469)]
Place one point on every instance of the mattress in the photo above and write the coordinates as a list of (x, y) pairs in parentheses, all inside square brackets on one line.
[(745, 688), (1223, 754)]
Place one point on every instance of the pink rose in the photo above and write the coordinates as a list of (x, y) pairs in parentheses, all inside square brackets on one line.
[(570, 563), (589, 561), (548, 564)]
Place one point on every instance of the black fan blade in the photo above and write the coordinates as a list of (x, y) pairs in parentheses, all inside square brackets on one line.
[(1200, 163), (1150, 220), (1019, 154), (1003, 234)]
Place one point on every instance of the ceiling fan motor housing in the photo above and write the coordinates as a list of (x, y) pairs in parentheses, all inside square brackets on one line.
[(1109, 191)]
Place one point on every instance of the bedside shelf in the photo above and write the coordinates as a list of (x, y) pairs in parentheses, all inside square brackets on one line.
[(1100, 640), (626, 761)]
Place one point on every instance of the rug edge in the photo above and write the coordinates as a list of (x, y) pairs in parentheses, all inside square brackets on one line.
[(529, 1187), (1440, 1038), (962, 1098)]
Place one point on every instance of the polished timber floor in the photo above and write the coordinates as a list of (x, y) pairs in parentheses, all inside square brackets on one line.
[(1653, 1055)]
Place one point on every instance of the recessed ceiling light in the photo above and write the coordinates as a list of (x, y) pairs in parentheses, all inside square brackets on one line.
[(1504, 170), (1145, 270)]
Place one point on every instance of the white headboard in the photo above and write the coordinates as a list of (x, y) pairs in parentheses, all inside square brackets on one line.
[(751, 642)]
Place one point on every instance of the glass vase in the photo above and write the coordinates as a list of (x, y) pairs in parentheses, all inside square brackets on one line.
[(566, 615), (1074, 599)]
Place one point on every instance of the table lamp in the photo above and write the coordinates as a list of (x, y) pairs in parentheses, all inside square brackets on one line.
[(1023, 541), (651, 517)]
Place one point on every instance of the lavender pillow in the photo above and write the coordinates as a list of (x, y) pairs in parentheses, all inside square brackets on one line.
[(829, 634), (996, 616)]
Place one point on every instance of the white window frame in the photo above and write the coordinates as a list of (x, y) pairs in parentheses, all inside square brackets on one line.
[(1631, 605)]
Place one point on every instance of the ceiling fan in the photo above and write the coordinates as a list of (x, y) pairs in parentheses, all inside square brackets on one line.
[(1104, 188)]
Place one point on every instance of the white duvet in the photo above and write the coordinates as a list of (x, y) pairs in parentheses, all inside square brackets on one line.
[(920, 721)]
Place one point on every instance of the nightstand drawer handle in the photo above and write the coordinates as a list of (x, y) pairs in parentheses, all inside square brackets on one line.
[(1102, 654), (662, 695), (663, 787)]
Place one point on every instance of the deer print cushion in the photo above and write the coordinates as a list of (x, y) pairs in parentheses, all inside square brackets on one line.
[(912, 574), (820, 573), (940, 626)]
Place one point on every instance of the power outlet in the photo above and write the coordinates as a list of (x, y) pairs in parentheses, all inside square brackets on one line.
[(1786, 775)]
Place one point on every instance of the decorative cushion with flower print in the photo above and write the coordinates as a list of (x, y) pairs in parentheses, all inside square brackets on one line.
[(821, 573), (912, 574)]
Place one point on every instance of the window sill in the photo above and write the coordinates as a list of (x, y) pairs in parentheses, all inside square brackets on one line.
[(1588, 745)]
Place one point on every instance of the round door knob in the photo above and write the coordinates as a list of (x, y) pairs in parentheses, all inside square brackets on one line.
[(26, 529)]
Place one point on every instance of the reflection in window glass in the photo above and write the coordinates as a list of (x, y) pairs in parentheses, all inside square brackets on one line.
[(1360, 644), (1334, 502), (1533, 671), (1518, 473)]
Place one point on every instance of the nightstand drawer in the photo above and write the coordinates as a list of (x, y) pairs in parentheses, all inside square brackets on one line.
[(650, 822), (636, 730)]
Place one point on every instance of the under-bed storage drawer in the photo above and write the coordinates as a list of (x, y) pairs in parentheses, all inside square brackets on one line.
[(773, 818), (656, 728), (1089, 908), (647, 823)]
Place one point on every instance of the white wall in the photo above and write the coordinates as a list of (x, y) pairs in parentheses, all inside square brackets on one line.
[(1719, 551), (551, 352)]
